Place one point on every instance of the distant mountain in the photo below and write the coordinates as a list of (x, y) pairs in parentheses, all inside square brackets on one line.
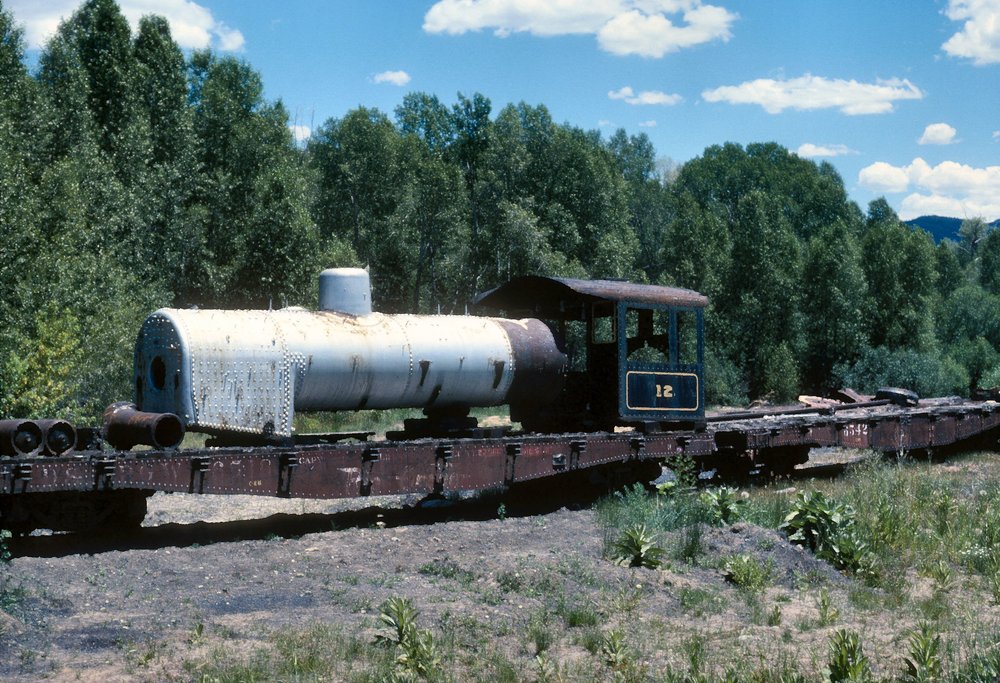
[(941, 227)]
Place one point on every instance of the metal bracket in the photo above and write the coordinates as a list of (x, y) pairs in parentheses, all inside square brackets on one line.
[(576, 448), (199, 467), (20, 474), (513, 451), (289, 461), (638, 446), (442, 455), (105, 470), (369, 457)]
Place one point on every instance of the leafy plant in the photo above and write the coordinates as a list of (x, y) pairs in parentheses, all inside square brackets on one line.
[(539, 632), (637, 547), (827, 528), (723, 505), (690, 546), (747, 572), (685, 470), (616, 654), (924, 663), (848, 661), (416, 653), (197, 633), (828, 613)]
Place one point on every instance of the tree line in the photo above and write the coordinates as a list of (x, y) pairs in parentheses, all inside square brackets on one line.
[(134, 176)]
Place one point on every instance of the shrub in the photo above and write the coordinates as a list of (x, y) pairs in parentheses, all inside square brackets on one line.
[(416, 653), (928, 373), (748, 573), (847, 659), (724, 383), (827, 528), (990, 378), (723, 505), (924, 663), (637, 547)]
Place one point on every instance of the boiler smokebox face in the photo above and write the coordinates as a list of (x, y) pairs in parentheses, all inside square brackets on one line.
[(158, 375)]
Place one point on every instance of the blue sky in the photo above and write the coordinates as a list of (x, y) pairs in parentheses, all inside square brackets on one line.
[(901, 96)]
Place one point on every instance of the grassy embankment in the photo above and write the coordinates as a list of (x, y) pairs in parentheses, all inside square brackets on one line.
[(907, 590)]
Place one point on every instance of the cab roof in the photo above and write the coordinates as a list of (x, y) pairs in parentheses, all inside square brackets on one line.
[(561, 297)]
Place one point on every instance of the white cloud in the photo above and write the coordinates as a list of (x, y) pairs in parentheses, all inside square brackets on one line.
[(191, 25), (979, 39), (808, 150), (300, 133), (996, 135), (644, 97), (649, 28), (950, 188), (393, 77), (647, 124), (815, 92), (938, 134), (601, 123), (883, 177)]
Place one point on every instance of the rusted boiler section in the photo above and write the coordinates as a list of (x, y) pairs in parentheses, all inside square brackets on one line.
[(250, 371)]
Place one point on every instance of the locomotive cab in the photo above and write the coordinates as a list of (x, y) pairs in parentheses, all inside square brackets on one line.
[(636, 352)]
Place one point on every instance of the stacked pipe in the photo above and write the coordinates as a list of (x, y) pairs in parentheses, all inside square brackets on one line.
[(36, 437), (58, 437), (20, 437)]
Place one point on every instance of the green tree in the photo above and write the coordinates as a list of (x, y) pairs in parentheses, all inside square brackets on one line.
[(949, 270), (833, 302), (20, 121), (696, 250), (900, 268), (471, 123), (648, 200), (175, 241), (258, 231), (427, 118), (971, 234), (989, 270), (761, 303), (357, 162), (427, 269)]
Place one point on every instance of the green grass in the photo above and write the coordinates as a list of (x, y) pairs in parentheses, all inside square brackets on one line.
[(927, 615)]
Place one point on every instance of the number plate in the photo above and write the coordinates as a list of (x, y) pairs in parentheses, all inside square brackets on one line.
[(678, 391)]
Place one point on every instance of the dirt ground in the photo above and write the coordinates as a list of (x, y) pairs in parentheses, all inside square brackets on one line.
[(231, 572)]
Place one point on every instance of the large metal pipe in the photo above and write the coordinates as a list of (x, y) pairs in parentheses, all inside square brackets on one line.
[(125, 427), (20, 437), (58, 437)]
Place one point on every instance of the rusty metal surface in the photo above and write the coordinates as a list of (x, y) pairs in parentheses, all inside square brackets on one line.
[(536, 293), (20, 437), (125, 427), (539, 364), (438, 466), (58, 437)]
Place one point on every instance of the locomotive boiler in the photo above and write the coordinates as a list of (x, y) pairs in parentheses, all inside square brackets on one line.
[(586, 355), (250, 371)]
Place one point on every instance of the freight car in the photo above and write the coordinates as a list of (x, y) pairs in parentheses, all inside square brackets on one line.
[(605, 377)]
